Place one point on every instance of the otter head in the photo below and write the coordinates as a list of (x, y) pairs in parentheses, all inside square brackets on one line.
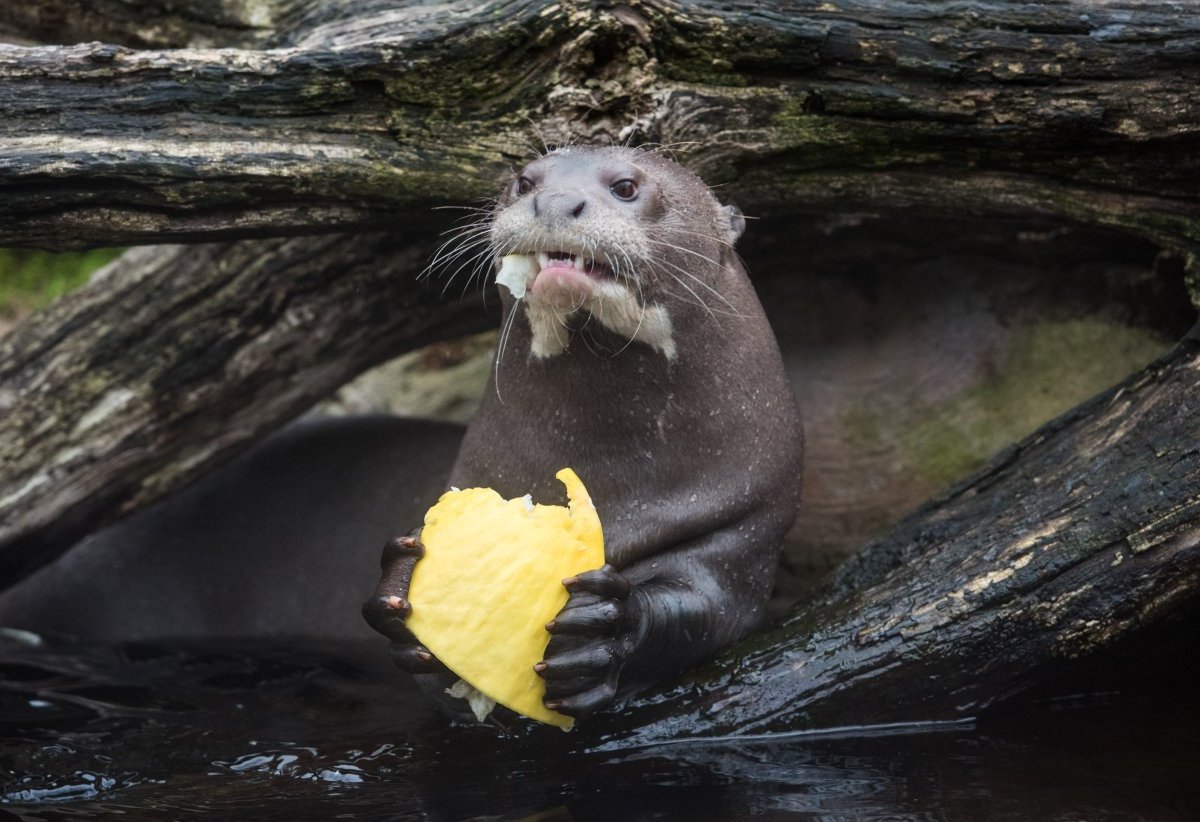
[(622, 237)]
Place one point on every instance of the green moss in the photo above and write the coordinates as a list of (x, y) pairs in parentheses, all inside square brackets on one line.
[(713, 55), (862, 427), (31, 279), (1166, 228), (854, 137), (1050, 367)]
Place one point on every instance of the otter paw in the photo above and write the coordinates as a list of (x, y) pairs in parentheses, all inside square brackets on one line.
[(589, 642), (387, 610)]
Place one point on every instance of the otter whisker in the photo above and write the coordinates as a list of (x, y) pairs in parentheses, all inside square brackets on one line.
[(733, 312), (636, 330), (697, 301), (486, 263), (502, 343), (534, 151), (637, 283), (456, 237), (589, 341), (473, 227), (461, 244), (475, 252), (686, 250), (485, 210), (702, 234), (537, 132), (475, 265), (444, 266), (584, 330), (631, 274), (688, 273), (725, 243)]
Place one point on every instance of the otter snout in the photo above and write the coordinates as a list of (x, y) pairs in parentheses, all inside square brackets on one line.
[(561, 206)]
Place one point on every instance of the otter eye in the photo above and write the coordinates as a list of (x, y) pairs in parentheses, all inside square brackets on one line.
[(524, 185), (624, 189)]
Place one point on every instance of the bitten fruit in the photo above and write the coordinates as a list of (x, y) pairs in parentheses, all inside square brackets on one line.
[(491, 579)]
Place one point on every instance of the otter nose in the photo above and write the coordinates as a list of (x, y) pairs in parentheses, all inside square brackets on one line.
[(565, 204)]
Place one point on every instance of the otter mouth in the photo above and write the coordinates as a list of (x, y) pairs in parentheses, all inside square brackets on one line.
[(557, 284), (564, 276), (566, 259)]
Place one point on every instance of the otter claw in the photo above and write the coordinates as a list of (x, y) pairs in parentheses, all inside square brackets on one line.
[(387, 610), (397, 604), (605, 581), (386, 614), (416, 659), (586, 703), (402, 548)]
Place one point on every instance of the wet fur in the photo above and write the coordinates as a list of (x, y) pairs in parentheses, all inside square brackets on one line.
[(691, 448)]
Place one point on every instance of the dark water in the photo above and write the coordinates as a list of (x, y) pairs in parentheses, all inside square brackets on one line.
[(238, 732)]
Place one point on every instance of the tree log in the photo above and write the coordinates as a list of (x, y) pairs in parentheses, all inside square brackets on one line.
[(145, 24), (1069, 110), (171, 360), (1065, 545)]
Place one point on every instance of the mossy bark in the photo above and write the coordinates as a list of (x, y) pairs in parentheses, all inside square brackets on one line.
[(173, 359), (1067, 545), (1066, 110)]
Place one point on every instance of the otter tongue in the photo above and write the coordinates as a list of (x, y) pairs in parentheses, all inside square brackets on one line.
[(516, 273), (560, 285)]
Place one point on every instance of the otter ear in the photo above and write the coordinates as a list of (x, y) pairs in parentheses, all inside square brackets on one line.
[(733, 221)]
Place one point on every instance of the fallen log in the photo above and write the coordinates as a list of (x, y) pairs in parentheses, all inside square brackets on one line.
[(1066, 545), (1072, 110), (174, 359), (152, 24)]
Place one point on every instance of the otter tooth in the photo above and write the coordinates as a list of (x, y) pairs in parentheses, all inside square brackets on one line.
[(543, 258), (516, 272), (577, 261)]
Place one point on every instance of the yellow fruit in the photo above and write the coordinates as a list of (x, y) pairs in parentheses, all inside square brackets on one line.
[(491, 579)]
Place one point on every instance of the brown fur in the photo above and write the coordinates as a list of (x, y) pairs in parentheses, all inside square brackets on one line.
[(692, 457)]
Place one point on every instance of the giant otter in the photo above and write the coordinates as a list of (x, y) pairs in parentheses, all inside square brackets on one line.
[(634, 350)]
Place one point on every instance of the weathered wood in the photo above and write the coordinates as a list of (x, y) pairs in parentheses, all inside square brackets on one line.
[(145, 24), (172, 359), (1068, 543), (1070, 110)]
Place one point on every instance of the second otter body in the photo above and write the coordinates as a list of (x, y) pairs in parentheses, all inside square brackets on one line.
[(635, 351)]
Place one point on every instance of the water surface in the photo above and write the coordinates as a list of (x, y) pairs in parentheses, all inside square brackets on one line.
[(236, 731)]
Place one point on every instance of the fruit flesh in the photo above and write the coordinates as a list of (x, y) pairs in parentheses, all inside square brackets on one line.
[(491, 579)]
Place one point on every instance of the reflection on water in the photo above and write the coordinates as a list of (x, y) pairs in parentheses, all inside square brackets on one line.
[(240, 732)]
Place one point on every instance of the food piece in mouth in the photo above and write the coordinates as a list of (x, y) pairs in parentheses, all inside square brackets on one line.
[(518, 272), (579, 262)]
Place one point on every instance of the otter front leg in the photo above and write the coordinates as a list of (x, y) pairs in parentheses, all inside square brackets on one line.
[(387, 610), (624, 630), (590, 640)]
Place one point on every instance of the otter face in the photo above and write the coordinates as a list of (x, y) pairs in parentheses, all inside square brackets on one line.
[(617, 235)]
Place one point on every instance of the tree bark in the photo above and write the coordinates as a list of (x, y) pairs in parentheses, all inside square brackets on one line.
[(173, 359), (1066, 545), (146, 24), (1068, 110)]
